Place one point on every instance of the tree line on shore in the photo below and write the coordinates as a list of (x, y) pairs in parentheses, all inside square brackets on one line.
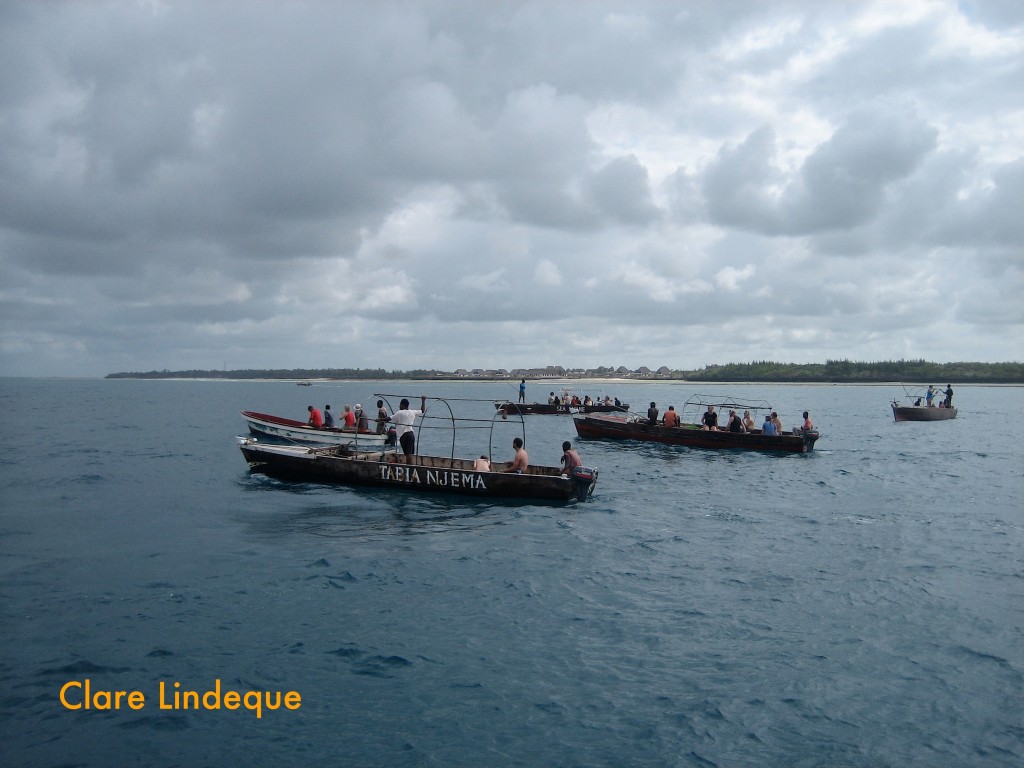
[(832, 371)]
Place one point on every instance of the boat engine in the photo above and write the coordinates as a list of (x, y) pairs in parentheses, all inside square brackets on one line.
[(584, 478)]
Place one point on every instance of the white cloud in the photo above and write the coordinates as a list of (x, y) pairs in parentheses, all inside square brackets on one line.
[(178, 178)]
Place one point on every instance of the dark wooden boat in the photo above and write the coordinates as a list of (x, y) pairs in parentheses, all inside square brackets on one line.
[(921, 412), (430, 474), (690, 434), (291, 430), (550, 409), (915, 408), (384, 467)]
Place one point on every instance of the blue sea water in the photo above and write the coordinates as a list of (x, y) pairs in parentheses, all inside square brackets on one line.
[(859, 606)]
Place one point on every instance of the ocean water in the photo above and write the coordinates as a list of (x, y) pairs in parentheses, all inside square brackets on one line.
[(859, 606)]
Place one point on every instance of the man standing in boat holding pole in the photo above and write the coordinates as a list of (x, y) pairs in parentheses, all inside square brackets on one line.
[(403, 419)]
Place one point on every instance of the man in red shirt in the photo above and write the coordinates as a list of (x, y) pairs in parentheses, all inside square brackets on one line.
[(316, 419)]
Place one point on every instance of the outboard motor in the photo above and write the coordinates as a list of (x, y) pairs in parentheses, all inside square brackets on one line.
[(584, 478)]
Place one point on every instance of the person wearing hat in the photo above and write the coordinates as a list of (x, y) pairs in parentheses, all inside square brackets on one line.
[(362, 423), (768, 428)]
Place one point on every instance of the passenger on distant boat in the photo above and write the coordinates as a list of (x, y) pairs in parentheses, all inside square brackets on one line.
[(748, 422), (949, 396), (521, 461), (349, 417), (328, 418), (316, 419), (808, 424), (735, 423), (930, 395), (382, 417), (522, 390), (362, 423), (768, 428), (671, 418), (652, 414), (570, 458), (551, 398), (777, 422), (710, 419), (482, 464)]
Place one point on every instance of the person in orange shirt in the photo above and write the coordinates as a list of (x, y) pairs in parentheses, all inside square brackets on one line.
[(316, 419), (671, 418)]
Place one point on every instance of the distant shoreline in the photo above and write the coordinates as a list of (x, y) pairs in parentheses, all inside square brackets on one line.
[(830, 373)]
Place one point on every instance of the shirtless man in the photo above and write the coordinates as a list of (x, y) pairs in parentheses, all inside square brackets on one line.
[(570, 458), (521, 462)]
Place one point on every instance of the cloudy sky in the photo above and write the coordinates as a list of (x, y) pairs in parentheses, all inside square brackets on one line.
[(501, 184)]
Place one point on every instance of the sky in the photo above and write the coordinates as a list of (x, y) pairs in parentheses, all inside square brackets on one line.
[(443, 185)]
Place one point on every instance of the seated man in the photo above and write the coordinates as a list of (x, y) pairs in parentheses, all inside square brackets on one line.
[(316, 419), (521, 462), (671, 418), (570, 458)]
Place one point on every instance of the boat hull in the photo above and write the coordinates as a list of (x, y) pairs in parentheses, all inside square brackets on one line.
[(426, 474), (691, 435), (290, 430), (922, 413)]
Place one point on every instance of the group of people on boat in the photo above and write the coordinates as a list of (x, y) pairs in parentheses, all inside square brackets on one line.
[(947, 401), (735, 423), (521, 459), (554, 399), (351, 418)]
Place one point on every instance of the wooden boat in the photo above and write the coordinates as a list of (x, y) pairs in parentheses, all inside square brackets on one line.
[(384, 467), (508, 408), (913, 409), (549, 409), (431, 474), (291, 430), (921, 412), (690, 434)]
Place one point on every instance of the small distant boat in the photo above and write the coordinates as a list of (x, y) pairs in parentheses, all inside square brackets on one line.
[(549, 409), (637, 427), (303, 383), (564, 405), (291, 430), (384, 467), (915, 406)]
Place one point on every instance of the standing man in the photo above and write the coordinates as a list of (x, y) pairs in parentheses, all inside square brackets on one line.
[(522, 391), (949, 395), (403, 419)]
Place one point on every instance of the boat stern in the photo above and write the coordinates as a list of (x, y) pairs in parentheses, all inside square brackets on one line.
[(584, 479)]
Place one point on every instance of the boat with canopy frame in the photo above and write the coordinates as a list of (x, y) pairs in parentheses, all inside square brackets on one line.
[(343, 465)]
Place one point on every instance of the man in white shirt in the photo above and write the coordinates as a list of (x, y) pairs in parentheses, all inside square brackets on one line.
[(403, 419)]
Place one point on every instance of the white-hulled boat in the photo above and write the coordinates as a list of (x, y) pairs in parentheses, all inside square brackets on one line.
[(291, 430)]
